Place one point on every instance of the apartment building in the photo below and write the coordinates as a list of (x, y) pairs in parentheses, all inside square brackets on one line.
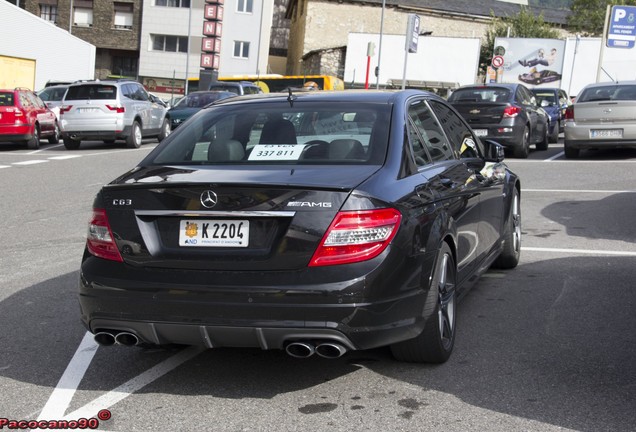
[(159, 41)]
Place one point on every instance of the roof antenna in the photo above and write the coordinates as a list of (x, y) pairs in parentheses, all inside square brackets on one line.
[(291, 98)]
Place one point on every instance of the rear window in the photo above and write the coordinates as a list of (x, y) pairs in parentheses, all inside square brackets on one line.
[(547, 96), (608, 93), (480, 94), (222, 87), (277, 133), (91, 91), (52, 94), (6, 99)]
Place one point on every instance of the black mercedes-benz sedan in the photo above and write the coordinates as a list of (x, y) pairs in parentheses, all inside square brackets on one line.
[(314, 222)]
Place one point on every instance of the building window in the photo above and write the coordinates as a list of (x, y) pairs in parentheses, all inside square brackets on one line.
[(83, 13), (124, 66), (170, 43), (48, 12), (173, 3), (244, 6), (123, 17), (241, 49)]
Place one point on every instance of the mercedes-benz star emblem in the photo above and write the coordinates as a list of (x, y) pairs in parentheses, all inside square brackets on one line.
[(209, 199)]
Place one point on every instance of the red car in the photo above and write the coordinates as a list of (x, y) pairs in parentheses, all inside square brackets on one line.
[(25, 118)]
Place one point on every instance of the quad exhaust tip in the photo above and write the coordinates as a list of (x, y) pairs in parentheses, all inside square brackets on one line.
[(106, 338), (330, 350)]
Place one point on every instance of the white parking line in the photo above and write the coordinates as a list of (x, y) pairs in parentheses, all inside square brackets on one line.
[(579, 251), (30, 162), (128, 388), (578, 191), (59, 401), (5, 166), (63, 393), (64, 157), (556, 156)]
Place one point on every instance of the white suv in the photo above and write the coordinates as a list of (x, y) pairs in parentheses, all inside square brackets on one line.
[(111, 110)]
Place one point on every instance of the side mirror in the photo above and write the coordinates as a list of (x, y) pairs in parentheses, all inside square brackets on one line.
[(494, 152)]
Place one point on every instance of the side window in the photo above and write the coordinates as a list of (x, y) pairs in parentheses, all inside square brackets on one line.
[(140, 93), (527, 96), (430, 132), (24, 100), (35, 101), (417, 145), (464, 143), (126, 90)]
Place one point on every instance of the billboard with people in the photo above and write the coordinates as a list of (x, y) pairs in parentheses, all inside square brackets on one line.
[(534, 62)]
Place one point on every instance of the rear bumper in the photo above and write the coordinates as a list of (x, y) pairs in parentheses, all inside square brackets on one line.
[(264, 315), (13, 133), (15, 137), (508, 135), (599, 144)]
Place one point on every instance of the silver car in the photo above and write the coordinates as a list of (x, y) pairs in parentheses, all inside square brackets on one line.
[(52, 97), (602, 116), (111, 110)]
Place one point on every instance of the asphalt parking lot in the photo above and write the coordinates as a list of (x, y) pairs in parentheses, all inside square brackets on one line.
[(547, 346)]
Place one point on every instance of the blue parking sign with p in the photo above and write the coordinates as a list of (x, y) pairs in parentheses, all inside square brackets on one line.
[(622, 27)]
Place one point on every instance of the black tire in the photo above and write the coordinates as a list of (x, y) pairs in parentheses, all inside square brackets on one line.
[(134, 139), (570, 152), (554, 136), (435, 343), (71, 144), (523, 149), (165, 130), (55, 138), (511, 252), (543, 144), (34, 142)]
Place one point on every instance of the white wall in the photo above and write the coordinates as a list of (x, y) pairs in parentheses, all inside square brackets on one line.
[(173, 21), (443, 59), (254, 28), (58, 55)]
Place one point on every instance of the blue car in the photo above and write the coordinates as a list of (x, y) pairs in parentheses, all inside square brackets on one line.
[(554, 101)]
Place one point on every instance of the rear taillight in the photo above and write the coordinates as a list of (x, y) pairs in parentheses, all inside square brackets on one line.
[(65, 108), (569, 113), (511, 111), (356, 236), (117, 109), (100, 240)]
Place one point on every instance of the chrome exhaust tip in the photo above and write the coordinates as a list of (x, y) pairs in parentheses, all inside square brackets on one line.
[(127, 339), (104, 338), (330, 350), (300, 349)]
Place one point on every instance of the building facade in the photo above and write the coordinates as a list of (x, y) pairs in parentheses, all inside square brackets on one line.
[(319, 28), (112, 26), (159, 42)]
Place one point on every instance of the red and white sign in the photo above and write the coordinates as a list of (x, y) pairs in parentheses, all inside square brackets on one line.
[(210, 61), (497, 61)]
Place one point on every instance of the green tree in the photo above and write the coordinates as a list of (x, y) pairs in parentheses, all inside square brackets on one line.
[(588, 16), (523, 25)]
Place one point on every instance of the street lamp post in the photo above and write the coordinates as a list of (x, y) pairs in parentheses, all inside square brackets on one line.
[(377, 69)]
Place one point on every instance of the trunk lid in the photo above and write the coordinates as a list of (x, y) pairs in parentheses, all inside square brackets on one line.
[(236, 218), (480, 113)]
